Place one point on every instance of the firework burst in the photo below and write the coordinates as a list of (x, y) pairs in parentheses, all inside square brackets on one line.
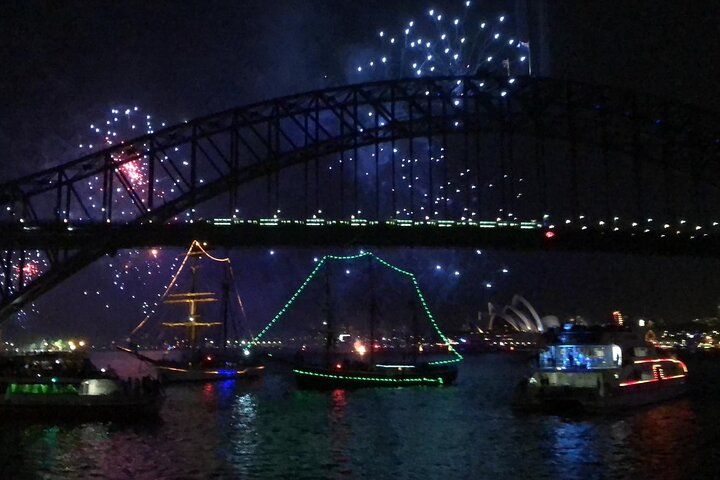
[(457, 43), (119, 126)]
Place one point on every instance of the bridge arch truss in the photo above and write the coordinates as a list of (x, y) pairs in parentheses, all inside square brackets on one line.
[(469, 149)]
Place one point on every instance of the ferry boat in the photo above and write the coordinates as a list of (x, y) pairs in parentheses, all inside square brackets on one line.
[(66, 385), (600, 368)]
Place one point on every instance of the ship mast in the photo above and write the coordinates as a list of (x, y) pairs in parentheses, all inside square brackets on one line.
[(373, 312), (192, 299), (226, 307), (415, 335), (330, 333)]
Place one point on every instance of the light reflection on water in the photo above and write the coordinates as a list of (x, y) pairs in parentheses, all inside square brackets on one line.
[(268, 429), (244, 436)]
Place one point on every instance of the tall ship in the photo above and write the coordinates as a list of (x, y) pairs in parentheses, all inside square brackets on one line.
[(600, 368), (66, 385), (371, 356), (187, 361)]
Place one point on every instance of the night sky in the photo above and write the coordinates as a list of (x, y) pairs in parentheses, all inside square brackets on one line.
[(65, 64)]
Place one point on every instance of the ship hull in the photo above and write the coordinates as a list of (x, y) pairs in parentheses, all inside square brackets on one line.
[(599, 399), (179, 375), (328, 379), (79, 408)]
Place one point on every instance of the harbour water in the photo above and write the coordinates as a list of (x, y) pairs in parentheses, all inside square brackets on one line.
[(269, 429)]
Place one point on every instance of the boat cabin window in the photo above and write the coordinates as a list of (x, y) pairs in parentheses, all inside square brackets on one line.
[(580, 357), (641, 352)]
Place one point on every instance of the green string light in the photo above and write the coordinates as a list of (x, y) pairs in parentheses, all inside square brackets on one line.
[(383, 262), (371, 378)]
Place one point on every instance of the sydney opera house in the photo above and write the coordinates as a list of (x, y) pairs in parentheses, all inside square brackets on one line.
[(520, 316)]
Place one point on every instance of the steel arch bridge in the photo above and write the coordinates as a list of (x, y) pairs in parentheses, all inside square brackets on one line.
[(441, 154)]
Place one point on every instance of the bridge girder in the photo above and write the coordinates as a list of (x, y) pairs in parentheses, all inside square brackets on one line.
[(195, 162)]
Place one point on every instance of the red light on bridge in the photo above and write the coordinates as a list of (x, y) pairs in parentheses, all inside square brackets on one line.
[(549, 234)]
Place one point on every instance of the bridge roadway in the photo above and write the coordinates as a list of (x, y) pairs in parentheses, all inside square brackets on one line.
[(266, 233)]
